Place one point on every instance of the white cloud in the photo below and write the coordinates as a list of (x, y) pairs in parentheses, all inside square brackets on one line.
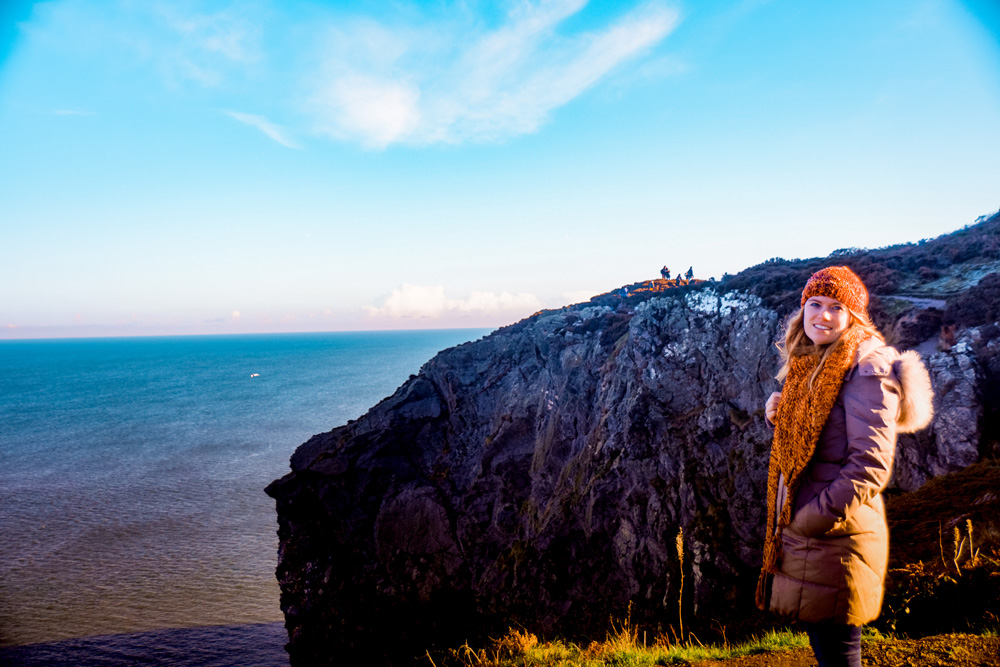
[(579, 296), (380, 111), (458, 81), (430, 302), (276, 132)]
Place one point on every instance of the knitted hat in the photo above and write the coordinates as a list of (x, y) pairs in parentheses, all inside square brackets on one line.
[(840, 283)]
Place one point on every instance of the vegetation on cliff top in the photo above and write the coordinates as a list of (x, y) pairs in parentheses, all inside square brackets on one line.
[(941, 268), (952, 280)]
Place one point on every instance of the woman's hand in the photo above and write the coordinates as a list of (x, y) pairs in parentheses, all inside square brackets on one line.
[(771, 407)]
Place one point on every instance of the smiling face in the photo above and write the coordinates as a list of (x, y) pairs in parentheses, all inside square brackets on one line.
[(824, 319)]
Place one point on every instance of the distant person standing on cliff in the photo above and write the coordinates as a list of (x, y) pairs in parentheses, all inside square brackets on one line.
[(845, 397)]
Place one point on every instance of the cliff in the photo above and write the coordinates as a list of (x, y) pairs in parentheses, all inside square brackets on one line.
[(539, 476)]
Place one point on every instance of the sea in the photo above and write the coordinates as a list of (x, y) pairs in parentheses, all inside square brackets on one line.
[(134, 528)]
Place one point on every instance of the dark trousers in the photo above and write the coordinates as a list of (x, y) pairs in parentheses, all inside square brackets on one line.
[(835, 644)]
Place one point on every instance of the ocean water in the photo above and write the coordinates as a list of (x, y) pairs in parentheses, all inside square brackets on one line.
[(131, 485)]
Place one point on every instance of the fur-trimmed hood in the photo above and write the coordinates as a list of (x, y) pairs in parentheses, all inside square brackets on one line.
[(916, 405), (916, 401)]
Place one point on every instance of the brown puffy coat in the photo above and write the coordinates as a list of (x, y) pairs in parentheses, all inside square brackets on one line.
[(835, 550)]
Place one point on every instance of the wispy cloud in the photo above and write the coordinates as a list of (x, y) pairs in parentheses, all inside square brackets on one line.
[(227, 34), (454, 82), (208, 43), (399, 75), (204, 46), (430, 302), (276, 132)]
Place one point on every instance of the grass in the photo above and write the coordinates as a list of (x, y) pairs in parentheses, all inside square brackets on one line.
[(622, 648)]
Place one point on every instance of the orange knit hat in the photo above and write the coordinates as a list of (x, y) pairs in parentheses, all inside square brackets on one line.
[(840, 283)]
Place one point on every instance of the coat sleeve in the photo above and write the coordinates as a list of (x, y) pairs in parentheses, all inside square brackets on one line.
[(871, 406)]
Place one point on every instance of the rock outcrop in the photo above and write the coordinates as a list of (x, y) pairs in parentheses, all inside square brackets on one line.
[(539, 477), (952, 443)]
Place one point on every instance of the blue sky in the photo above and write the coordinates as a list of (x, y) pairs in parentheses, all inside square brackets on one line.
[(187, 166)]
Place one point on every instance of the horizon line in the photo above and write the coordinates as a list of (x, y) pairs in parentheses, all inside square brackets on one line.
[(133, 336)]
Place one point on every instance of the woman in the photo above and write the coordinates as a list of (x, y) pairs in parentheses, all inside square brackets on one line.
[(845, 397)]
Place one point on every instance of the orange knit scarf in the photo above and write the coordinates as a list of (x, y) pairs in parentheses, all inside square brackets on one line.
[(802, 414)]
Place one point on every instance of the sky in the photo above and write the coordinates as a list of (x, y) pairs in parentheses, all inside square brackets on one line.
[(211, 167)]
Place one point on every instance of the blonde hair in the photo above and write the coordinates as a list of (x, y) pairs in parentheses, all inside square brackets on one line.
[(798, 344)]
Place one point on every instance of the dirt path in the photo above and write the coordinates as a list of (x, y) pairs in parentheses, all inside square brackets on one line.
[(920, 302), (936, 651)]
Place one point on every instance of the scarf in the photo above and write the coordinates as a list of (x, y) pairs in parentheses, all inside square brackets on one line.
[(802, 414)]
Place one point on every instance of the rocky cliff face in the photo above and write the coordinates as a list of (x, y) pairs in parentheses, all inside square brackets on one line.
[(952, 441), (539, 477)]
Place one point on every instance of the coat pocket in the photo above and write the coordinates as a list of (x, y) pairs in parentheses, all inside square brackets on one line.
[(811, 521)]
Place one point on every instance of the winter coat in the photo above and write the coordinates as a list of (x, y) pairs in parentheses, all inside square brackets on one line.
[(835, 551)]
